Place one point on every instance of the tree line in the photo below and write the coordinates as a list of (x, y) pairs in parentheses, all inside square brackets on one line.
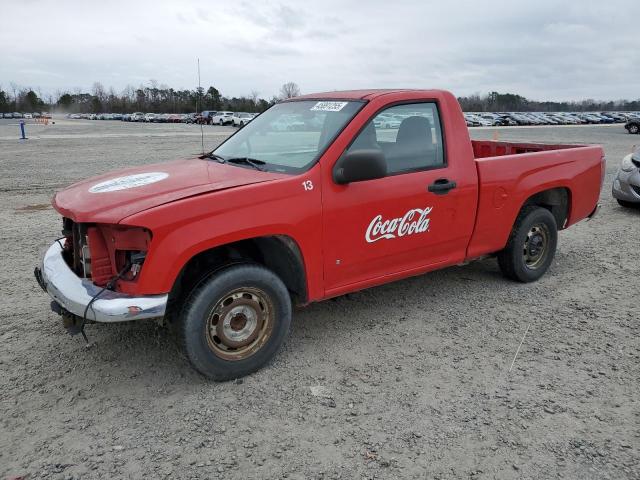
[(510, 102), (157, 98), (153, 98)]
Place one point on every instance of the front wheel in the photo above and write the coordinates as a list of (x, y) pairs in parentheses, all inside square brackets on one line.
[(531, 246), (633, 128), (234, 323)]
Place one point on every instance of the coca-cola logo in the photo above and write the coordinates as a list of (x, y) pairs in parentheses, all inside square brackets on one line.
[(414, 221)]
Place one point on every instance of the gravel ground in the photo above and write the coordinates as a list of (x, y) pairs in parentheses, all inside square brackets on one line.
[(407, 380)]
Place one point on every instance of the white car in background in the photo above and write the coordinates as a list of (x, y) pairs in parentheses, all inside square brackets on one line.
[(222, 118), (27, 115), (137, 117), (241, 119), (484, 122)]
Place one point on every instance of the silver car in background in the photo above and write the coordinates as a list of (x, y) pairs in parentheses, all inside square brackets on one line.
[(626, 186)]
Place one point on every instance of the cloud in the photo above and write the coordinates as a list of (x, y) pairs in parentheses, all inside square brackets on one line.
[(544, 49)]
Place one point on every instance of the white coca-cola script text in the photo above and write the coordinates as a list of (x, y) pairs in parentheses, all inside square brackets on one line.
[(414, 221)]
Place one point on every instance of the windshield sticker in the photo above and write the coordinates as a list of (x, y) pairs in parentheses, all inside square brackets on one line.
[(329, 106), (414, 221), (130, 181)]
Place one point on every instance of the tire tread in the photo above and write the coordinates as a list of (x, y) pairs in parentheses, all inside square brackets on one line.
[(510, 257)]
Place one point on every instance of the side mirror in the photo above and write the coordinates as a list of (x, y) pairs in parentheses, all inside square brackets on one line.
[(360, 165)]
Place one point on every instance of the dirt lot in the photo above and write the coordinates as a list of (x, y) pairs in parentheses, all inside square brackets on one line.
[(413, 377)]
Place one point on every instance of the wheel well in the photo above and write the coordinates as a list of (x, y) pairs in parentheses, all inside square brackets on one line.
[(556, 200), (279, 254)]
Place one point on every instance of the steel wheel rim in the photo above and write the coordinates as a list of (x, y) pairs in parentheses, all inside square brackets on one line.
[(240, 323), (536, 246)]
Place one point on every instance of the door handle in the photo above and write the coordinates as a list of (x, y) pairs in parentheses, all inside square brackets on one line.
[(442, 186)]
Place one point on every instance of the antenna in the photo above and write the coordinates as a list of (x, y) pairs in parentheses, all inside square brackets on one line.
[(198, 108)]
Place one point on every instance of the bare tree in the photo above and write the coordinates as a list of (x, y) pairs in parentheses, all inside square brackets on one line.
[(14, 87), (289, 90), (98, 91), (254, 96)]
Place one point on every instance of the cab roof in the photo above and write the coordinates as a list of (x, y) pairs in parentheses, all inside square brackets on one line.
[(361, 94)]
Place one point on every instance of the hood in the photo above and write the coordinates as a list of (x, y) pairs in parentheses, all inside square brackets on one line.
[(116, 195)]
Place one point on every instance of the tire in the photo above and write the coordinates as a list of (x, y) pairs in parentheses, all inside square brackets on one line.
[(531, 246), (625, 204), (221, 344), (633, 128)]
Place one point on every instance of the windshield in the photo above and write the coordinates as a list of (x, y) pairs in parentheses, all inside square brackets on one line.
[(290, 136)]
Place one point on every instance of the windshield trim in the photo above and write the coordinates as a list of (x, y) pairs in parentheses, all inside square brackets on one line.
[(299, 170)]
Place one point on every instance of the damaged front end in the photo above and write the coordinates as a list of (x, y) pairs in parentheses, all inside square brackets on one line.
[(92, 272)]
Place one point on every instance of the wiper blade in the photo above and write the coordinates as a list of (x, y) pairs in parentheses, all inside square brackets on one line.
[(254, 162), (214, 157)]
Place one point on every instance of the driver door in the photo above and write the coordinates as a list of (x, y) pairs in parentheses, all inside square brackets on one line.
[(395, 226)]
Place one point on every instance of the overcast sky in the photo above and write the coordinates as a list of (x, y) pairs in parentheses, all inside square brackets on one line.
[(542, 49)]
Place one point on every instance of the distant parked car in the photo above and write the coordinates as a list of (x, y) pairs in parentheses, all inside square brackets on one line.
[(494, 119), (221, 118), (17, 115), (626, 186), (633, 126), (205, 117), (27, 115), (471, 121), (137, 117), (517, 118), (7, 115), (191, 118), (241, 119)]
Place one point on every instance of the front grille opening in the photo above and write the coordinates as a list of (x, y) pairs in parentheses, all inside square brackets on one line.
[(74, 246)]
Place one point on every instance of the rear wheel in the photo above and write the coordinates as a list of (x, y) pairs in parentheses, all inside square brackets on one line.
[(234, 322), (531, 246), (633, 128)]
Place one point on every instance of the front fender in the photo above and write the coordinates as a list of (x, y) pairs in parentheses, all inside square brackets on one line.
[(185, 228)]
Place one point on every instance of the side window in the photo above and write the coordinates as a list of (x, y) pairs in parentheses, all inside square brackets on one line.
[(410, 136)]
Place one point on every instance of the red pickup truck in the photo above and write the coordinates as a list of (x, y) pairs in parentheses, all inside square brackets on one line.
[(319, 196)]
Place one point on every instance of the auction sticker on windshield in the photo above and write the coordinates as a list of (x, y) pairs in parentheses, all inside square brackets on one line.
[(329, 106), (130, 181)]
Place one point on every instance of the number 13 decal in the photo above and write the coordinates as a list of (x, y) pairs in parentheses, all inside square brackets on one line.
[(307, 185)]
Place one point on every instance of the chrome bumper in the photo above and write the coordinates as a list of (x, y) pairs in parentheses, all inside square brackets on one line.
[(74, 293)]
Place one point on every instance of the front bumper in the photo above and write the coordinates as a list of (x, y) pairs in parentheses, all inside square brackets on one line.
[(74, 293), (626, 186)]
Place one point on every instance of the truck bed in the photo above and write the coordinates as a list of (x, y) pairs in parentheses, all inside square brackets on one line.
[(510, 173), (488, 148)]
